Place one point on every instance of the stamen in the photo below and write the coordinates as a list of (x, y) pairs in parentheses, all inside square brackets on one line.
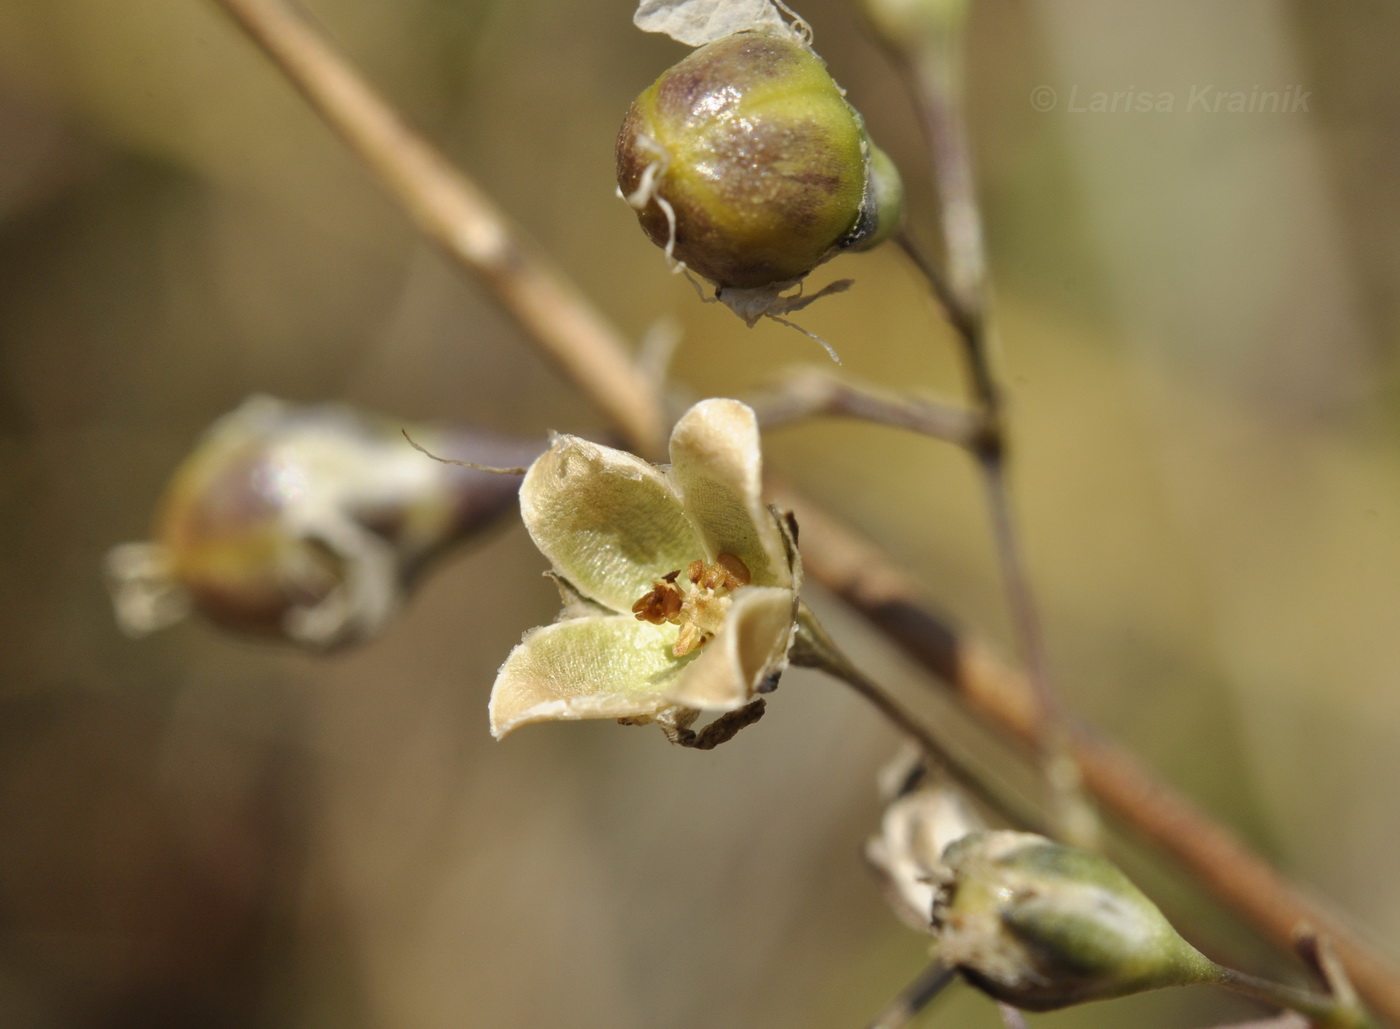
[(663, 604), (700, 606), (738, 571)]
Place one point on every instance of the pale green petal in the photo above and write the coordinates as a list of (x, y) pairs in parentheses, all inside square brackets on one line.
[(610, 522), (751, 648), (716, 466), (612, 666)]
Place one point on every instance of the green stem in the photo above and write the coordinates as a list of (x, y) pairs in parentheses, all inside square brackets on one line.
[(1325, 1011), (814, 648)]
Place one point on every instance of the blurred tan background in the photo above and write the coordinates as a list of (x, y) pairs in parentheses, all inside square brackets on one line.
[(1198, 318)]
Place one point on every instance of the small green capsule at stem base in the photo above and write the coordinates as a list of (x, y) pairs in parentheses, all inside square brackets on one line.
[(883, 209)]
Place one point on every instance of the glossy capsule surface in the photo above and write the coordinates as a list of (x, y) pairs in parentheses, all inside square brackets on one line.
[(755, 149)]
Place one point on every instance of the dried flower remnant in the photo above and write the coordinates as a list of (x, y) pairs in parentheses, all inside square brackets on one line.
[(680, 586), (306, 523), (697, 22), (924, 813)]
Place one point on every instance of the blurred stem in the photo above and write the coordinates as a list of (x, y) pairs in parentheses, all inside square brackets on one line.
[(1320, 954), (452, 211), (1071, 812), (911, 1000), (812, 392), (814, 648), (934, 65)]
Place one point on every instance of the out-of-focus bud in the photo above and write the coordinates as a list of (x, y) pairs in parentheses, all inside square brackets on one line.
[(1040, 925), (308, 522), (745, 162), (923, 815)]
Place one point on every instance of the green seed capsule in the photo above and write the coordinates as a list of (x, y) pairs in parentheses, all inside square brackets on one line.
[(746, 162), (1040, 925)]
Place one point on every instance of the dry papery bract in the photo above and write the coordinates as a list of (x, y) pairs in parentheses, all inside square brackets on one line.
[(697, 22)]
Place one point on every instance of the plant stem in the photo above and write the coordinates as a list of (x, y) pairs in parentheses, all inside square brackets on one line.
[(459, 217), (812, 392), (814, 648), (920, 992), (934, 65), (1071, 812), (1323, 1010)]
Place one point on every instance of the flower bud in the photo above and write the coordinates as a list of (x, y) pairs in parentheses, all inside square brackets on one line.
[(746, 163), (305, 522), (1040, 925)]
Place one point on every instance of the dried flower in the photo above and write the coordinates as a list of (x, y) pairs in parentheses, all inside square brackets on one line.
[(680, 586)]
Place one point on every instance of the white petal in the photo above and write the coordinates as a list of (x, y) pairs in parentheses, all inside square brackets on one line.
[(717, 467), (697, 22), (750, 649), (607, 667), (914, 832), (610, 522)]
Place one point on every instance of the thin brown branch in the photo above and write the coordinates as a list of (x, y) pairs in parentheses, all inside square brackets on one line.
[(919, 994), (1320, 954), (964, 322), (933, 65), (450, 209), (1072, 815), (936, 70), (814, 392), (431, 192)]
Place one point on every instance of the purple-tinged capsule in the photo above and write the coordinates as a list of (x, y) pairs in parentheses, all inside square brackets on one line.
[(308, 522)]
